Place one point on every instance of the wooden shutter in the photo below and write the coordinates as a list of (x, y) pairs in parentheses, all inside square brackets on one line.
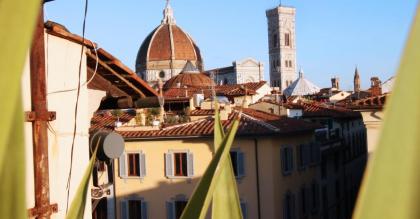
[(290, 158), (306, 153), (170, 210), (142, 164), (144, 212), (123, 165), (283, 160), (244, 209), (124, 209), (292, 206), (169, 164), (190, 164), (240, 162)]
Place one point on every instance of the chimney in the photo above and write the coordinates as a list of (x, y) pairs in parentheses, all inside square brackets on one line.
[(335, 83), (224, 114), (375, 86)]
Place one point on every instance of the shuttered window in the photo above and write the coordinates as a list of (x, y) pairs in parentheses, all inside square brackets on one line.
[(174, 208), (286, 155), (134, 208), (132, 164), (238, 163), (179, 164), (244, 209), (289, 206)]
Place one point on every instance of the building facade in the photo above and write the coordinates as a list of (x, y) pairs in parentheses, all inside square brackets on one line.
[(242, 71), (282, 46), (274, 160)]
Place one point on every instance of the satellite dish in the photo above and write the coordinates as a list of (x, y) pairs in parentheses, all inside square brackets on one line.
[(111, 145)]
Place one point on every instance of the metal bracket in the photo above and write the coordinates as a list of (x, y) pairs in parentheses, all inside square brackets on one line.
[(32, 116), (47, 210)]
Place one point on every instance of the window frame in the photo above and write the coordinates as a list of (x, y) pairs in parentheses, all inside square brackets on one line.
[(240, 163), (125, 211), (287, 159), (171, 205), (124, 165), (170, 170)]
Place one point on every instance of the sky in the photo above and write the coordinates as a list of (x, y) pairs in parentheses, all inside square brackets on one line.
[(332, 36)]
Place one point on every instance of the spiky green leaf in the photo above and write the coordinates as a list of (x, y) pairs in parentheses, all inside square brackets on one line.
[(391, 188)]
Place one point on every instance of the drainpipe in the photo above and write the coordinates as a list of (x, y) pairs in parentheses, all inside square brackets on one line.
[(258, 176), (39, 116)]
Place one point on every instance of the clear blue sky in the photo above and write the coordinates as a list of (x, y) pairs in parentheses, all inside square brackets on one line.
[(332, 35)]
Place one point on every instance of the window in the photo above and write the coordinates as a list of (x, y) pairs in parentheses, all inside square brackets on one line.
[(290, 64), (179, 164), (133, 208), (303, 155), (287, 39), (275, 40), (132, 164), (325, 200), (286, 63), (176, 206), (244, 209), (237, 158), (314, 196), (287, 160), (303, 201), (289, 206)]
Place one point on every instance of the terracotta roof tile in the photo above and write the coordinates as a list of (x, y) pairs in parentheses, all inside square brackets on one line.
[(252, 122)]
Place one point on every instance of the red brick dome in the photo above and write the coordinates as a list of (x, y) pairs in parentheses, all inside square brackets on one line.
[(166, 45), (189, 77)]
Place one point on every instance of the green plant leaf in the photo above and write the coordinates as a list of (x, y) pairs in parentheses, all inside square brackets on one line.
[(198, 204), (77, 208), (17, 19), (226, 203), (391, 188)]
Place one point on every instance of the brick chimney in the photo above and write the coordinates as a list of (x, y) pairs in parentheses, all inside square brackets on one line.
[(375, 86)]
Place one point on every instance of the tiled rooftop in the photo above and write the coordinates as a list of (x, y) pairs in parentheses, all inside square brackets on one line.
[(253, 122)]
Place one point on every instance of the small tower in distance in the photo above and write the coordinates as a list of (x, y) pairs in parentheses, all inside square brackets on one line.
[(335, 83), (282, 46), (356, 81)]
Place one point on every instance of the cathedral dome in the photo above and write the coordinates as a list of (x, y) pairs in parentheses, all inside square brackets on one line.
[(189, 77), (167, 48)]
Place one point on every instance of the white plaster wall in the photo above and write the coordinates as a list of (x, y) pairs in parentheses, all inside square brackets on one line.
[(62, 73)]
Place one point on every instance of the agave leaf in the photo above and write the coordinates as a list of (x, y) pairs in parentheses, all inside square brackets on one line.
[(391, 188), (198, 204), (226, 203), (17, 19), (77, 208)]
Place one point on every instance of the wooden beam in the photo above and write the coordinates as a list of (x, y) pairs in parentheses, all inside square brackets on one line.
[(103, 64)]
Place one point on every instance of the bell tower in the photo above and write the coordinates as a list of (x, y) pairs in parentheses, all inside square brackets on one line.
[(282, 46)]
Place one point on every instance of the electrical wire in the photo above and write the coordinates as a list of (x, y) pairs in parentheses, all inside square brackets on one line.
[(90, 79), (77, 105)]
